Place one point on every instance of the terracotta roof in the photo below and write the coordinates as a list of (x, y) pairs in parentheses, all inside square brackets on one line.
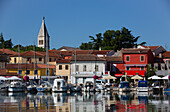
[(4, 73), (68, 48), (104, 52), (63, 61), (28, 66), (37, 53), (151, 47), (8, 51), (86, 57), (114, 58), (134, 50), (166, 54)]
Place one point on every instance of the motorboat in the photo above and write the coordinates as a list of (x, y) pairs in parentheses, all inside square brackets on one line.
[(59, 85), (167, 88), (16, 86), (75, 89), (4, 86), (32, 88), (45, 86), (88, 86), (124, 87), (142, 86)]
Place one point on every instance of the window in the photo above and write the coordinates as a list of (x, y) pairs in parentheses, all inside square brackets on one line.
[(96, 68), (142, 58), (77, 67), (28, 59), (66, 67), (15, 60), (142, 68), (60, 67), (50, 59), (84, 67), (127, 68), (19, 72), (27, 72), (127, 58), (40, 59), (40, 42), (35, 71)]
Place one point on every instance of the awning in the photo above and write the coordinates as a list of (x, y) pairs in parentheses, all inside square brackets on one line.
[(134, 72), (134, 64), (118, 75)]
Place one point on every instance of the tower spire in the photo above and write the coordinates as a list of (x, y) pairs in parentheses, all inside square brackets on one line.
[(43, 36)]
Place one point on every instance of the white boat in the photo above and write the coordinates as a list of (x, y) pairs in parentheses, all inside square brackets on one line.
[(32, 88), (142, 86), (16, 86), (45, 86), (59, 85), (4, 86)]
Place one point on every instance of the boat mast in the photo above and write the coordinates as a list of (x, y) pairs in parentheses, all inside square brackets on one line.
[(47, 66), (18, 60)]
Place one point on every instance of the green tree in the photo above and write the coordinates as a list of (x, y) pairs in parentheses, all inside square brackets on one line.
[(2, 41), (97, 43), (86, 46)]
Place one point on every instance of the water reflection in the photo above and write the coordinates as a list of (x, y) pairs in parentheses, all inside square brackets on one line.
[(84, 102)]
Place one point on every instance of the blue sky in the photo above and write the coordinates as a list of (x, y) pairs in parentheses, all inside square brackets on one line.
[(71, 22)]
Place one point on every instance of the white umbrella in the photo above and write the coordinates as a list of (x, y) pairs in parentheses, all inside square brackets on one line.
[(3, 78), (165, 77), (136, 77), (155, 77), (109, 77), (14, 78)]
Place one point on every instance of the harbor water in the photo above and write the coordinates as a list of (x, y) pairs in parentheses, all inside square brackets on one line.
[(84, 102)]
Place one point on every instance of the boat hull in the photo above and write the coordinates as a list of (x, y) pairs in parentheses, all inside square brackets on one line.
[(142, 89), (16, 89), (43, 89)]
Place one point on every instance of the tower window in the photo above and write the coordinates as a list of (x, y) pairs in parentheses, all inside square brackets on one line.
[(40, 42)]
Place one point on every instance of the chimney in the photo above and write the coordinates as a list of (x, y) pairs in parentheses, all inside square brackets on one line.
[(100, 48), (160, 55)]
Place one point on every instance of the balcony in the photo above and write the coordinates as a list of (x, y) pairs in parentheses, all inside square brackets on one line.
[(86, 74)]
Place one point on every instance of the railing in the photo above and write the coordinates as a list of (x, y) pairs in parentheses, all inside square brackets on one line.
[(87, 73)]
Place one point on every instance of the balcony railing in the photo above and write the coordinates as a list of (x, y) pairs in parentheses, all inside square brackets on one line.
[(87, 73)]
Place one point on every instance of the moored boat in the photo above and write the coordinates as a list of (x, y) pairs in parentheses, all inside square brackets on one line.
[(124, 87), (45, 86), (142, 86), (16, 86), (59, 85)]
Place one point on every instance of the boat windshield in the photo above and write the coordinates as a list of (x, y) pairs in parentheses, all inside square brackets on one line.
[(142, 84), (124, 84)]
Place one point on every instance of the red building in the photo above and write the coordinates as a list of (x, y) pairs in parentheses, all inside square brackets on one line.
[(136, 60), (132, 61)]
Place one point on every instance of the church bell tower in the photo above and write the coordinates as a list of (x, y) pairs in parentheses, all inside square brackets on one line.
[(43, 36)]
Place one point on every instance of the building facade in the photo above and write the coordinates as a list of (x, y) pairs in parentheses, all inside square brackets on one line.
[(85, 66)]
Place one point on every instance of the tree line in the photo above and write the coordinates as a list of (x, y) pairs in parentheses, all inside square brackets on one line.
[(7, 44), (112, 40)]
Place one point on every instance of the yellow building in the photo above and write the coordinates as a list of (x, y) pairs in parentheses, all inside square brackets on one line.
[(33, 57), (30, 68), (63, 69)]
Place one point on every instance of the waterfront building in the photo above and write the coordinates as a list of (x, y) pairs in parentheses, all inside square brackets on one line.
[(33, 57), (63, 69), (85, 66), (136, 60), (29, 69), (132, 61), (43, 36)]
